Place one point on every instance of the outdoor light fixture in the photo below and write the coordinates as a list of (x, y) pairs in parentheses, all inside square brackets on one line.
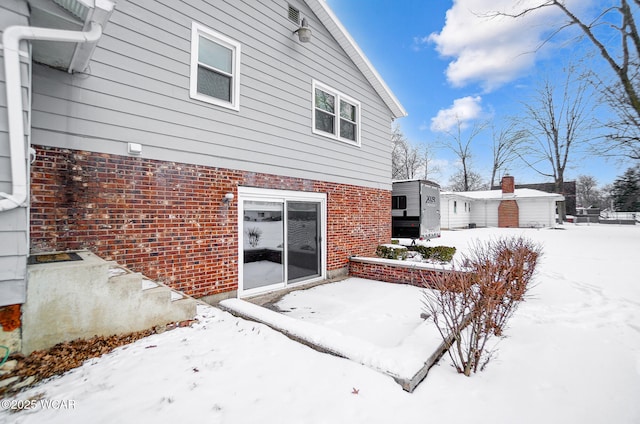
[(134, 148), (304, 32), (227, 198)]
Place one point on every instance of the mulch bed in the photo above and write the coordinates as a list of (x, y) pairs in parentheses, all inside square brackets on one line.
[(65, 356)]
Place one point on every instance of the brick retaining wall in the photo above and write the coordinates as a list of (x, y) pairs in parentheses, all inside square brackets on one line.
[(398, 272)]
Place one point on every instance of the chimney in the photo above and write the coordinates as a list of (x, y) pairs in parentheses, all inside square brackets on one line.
[(508, 210), (508, 184)]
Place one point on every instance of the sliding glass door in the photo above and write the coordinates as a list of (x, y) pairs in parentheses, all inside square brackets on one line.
[(303, 240), (281, 235), (262, 243)]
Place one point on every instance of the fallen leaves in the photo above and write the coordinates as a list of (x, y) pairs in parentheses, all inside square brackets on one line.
[(65, 356)]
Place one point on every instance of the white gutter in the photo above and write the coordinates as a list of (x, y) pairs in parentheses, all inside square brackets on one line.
[(11, 48)]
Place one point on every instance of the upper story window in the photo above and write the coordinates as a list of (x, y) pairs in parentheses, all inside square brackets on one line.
[(215, 68), (335, 115)]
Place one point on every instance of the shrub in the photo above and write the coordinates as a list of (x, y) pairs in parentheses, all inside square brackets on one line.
[(387, 251), (470, 307), (443, 253), (436, 253)]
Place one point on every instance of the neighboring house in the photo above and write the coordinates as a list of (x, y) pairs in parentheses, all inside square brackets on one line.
[(455, 210), (184, 132), (507, 207), (568, 192)]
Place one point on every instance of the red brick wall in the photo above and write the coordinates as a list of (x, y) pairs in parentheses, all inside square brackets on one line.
[(508, 214), (508, 184), (167, 219), (9, 318), (399, 274)]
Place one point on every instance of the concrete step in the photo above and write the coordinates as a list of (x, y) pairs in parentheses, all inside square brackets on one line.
[(89, 297), (168, 303)]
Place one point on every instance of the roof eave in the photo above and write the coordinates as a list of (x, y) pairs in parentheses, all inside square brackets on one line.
[(100, 13)]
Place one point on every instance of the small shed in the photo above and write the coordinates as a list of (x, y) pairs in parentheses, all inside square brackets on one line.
[(508, 207)]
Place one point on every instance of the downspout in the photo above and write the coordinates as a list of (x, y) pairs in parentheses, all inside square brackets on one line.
[(11, 48)]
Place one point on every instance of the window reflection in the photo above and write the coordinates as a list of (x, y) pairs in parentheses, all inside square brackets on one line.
[(263, 241)]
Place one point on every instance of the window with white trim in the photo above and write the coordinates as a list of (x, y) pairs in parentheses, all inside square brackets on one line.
[(335, 115), (215, 68)]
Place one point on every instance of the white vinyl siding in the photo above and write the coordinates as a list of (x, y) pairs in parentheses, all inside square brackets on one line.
[(452, 213), (335, 115), (485, 213), (215, 67), (536, 213)]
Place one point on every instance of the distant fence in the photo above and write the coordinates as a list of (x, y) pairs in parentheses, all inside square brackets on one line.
[(627, 218)]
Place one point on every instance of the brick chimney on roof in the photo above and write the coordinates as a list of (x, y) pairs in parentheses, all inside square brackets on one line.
[(508, 184), (508, 210)]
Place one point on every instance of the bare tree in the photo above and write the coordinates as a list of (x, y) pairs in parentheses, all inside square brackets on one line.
[(556, 120), (623, 133), (473, 183), (607, 197), (430, 168), (459, 142), (406, 158), (622, 93), (505, 144), (587, 193)]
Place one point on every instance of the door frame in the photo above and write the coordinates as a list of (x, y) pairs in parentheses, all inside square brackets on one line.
[(273, 195)]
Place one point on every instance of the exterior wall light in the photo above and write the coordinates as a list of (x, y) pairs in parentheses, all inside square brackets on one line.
[(134, 148), (227, 198), (304, 32)]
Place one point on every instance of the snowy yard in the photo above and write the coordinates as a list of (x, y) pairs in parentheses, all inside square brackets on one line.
[(381, 313), (571, 355)]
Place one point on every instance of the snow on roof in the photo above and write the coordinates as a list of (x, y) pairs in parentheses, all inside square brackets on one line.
[(348, 44), (519, 193), (433, 183)]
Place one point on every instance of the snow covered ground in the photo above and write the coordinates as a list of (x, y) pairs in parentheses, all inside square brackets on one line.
[(381, 313), (571, 355)]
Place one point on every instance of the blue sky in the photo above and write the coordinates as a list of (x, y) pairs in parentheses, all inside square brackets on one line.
[(441, 61)]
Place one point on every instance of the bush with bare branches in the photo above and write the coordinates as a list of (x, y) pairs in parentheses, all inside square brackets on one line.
[(475, 301)]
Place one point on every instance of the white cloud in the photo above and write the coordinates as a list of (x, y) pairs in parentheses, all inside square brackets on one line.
[(492, 51), (420, 43), (461, 111)]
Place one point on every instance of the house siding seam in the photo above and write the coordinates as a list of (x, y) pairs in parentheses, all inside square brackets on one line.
[(167, 219)]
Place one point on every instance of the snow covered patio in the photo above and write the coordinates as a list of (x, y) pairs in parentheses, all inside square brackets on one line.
[(571, 355), (375, 324)]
